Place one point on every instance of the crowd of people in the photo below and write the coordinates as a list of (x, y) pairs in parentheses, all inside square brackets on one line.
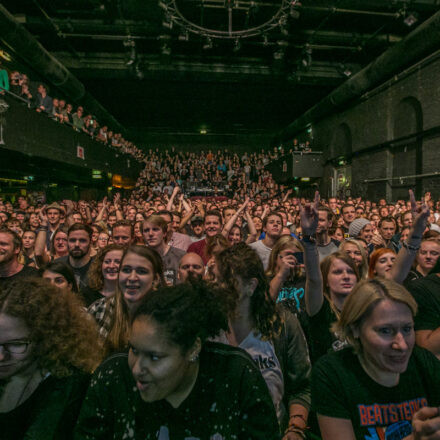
[(37, 97), (257, 314)]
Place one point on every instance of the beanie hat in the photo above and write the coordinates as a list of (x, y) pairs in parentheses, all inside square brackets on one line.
[(356, 226)]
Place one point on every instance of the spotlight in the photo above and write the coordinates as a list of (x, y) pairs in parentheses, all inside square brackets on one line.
[(208, 44), (306, 58), (237, 45), (278, 55), (167, 23), (165, 49), (411, 19), (265, 40), (294, 12), (184, 37), (163, 5)]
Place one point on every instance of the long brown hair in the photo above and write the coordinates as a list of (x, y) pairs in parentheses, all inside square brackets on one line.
[(241, 260), (117, 338)]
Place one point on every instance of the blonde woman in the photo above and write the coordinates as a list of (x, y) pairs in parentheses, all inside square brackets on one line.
[(375, 387)]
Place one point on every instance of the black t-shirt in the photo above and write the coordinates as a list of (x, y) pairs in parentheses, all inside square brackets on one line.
[(342, 389), (426, 291), (26, 272), (230, 400), (81, 273), (49, 413), (321, 339)]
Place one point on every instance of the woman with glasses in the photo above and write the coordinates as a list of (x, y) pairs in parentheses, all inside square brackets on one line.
[(48, 346)]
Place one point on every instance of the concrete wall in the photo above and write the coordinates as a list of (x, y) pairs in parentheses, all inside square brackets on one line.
[(365, 135)]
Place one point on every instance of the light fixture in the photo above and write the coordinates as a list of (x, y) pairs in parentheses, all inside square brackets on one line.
[(265, 40), (278, 55), (306, 59), (411, 19), (343, 69), (131, 46), (167, 23), (184, 37), (165, 49), (163, 5), (208, 44), (294, 12), (237, 45)]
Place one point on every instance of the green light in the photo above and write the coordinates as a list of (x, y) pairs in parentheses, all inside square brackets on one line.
[(305, 179), (203, 131)]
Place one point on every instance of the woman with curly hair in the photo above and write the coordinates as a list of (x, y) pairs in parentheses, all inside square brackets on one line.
[(271, 335), (103, 273), (140, 272), (48, 347), (174, 382)]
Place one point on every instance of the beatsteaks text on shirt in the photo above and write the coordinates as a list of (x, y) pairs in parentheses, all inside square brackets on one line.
[(391, 421)]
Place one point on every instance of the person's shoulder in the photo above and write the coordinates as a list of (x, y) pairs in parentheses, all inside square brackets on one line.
[(64, 259), (112, 365), (179, 253), (30, 271), (422, 283), (100, 303), (338, 360), (228, 353)]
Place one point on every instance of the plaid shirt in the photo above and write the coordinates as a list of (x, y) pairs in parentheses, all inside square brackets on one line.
[(103, 310)]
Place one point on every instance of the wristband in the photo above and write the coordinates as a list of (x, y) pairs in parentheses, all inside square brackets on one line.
[(44, 228), (308, 239), (409, 247)]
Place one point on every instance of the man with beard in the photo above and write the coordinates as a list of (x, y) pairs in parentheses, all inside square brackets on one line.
[(213, 226), (79, 238), (190, 266), (10, 268), (154, 230)]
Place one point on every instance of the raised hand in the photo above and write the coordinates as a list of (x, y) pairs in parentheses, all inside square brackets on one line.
[(309, 216)]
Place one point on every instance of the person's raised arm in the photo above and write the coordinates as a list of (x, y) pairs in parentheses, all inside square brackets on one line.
[(408, 252), (100, 215), (233, 219), (187, 217), (40, 241), (117, 204), (170, 203), (314, 295), (253, 234)]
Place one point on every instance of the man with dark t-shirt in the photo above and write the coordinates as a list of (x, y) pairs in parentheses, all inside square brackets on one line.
[(79, 238), (10, 268), (154, 230), (426, 291)]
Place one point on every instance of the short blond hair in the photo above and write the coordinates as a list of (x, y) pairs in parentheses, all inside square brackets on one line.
[(365, 296)]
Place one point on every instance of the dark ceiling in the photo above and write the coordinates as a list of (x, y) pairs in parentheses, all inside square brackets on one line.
[(154, 78)]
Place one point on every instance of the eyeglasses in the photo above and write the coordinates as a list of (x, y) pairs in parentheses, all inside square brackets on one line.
[(16, 347)]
